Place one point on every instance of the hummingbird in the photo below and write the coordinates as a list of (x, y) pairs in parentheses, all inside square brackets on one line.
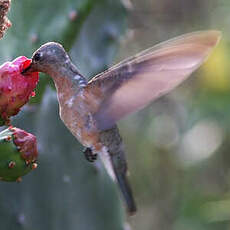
[(91, 109)]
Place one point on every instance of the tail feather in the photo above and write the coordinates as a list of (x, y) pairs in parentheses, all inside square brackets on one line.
[(127, 193), (124, 186), (113, 157)]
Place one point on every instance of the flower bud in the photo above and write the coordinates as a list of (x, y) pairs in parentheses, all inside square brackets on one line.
[(18, 154)]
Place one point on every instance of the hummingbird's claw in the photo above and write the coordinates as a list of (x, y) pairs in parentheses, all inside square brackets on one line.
[(89, 155)]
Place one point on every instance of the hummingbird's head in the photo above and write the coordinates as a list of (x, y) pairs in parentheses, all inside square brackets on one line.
[(49, 58)]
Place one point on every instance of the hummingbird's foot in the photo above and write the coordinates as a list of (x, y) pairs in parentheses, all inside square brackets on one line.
[(89, 155)]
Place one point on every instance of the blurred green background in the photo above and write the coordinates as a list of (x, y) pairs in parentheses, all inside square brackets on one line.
[(177, 148)]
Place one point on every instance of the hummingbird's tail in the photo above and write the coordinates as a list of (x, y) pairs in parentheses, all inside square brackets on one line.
[(120, 168), (115, 163), (124, 187)]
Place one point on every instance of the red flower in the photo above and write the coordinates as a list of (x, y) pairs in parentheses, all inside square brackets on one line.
[(15, 88)]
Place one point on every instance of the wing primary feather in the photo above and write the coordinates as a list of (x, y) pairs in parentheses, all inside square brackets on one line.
[(132, 84)]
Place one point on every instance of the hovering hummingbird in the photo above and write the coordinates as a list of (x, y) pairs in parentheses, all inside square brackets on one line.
[(90, 109)]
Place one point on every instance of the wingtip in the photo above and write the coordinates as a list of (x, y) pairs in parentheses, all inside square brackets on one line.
[(219, 35), (214, 37), (209, 38)]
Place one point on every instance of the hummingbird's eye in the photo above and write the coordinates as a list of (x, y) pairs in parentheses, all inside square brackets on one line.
[(37, 57)]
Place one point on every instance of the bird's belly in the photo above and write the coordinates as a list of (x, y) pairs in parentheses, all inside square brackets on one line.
[(71, 121), (80, 124)]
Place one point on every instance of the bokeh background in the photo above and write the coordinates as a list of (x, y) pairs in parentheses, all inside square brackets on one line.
[(177, 148)]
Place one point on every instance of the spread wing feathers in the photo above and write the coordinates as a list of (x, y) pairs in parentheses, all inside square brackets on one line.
[(135, 82)]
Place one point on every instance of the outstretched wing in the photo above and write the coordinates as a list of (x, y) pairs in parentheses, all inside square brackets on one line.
[(135, 82)]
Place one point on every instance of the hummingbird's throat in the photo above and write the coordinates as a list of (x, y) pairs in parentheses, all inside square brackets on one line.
[(81, 81)]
